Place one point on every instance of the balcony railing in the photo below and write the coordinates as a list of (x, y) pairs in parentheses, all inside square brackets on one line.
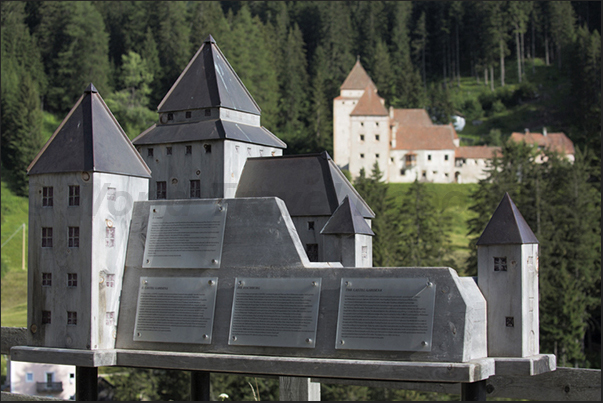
[(49, 387)]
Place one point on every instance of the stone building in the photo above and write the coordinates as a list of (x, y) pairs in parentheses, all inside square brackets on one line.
[(82, 186), (557, 142), (404, 142)]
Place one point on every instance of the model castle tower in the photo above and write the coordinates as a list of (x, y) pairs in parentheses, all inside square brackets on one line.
[(208, 126), (507, 254), (82, 186)]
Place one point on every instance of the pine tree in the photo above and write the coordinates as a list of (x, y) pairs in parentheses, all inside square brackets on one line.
[(74, 47)]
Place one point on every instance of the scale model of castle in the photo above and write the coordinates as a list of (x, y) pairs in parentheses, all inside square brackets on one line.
[(88, 179)]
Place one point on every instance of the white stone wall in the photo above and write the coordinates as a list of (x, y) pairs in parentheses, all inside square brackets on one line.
[(370, 143), (431, 166), (470, 170), (341, 129)]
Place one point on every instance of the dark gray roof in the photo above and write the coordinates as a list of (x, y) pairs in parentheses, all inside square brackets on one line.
[(310, 184), (346, 220), (89, 139), (507, 226), (208, 81), (214, 129)]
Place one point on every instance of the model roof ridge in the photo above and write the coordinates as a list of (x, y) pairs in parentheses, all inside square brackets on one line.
[(89, 139), (358, 79), (208, 81), (507, 226), (346, 219)]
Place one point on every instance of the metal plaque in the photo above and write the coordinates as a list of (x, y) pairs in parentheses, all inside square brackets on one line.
[(275, 312), (175, 309), (392, 314), (185, 236)]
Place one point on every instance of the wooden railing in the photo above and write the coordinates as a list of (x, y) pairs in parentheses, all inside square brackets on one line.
[(573, 384)]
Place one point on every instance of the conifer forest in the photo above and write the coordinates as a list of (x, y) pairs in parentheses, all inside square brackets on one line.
[(293, 57)]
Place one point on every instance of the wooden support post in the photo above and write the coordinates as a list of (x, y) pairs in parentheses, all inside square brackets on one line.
[(298, 389), (200, 383), (86, 384), (474, 391)]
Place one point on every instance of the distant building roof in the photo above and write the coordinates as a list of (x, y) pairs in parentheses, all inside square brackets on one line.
[(208, 81), (412, 117), (436, 137), (310, 184), (476, 152), (558, 142), (89, 139), (358, 79), (346, 220), (213, 129), (507, 226), (370, 104)]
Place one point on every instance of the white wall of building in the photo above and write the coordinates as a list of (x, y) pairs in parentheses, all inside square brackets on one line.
[(26, 376)]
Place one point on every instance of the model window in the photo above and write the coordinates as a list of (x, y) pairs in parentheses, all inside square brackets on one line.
[(71, 279), (74, 237), (46, 279), (161, 190), (47, 237), (170, 116), (47, 196), (195, 188), (310, 225), (110, 280), (74, 195), (207, 148), (109, 318), (189, 150), (168, 150), (110, 237), (312, 251), (500, 264), (46, 317), (72, 318), (150, 152), (189, 114)]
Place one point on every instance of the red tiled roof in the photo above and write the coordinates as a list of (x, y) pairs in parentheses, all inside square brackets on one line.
[(358, 79), (369, 104), (558, 142), (434, 137), (476, 152), (412, 117)]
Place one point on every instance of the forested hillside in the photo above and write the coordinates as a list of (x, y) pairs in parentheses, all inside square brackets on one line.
[(508, 65)]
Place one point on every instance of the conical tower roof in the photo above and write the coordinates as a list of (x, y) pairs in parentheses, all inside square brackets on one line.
[(358, 79), (346, 220), (89, 139), (507, 226), (208, 81)]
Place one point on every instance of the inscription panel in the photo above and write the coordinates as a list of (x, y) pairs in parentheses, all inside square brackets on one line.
[(275, 312), (176, 310), (392, 314), (186, 237)]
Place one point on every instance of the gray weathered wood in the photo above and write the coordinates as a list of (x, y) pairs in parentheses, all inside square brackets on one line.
[(64, 356), (294, 389), (13, 336)]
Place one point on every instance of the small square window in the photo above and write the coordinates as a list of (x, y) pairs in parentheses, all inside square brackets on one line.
[(364, 252), (47, 200), (161, 190), (168, 151), (428, 157), (207, 148), (376, 155), (362, 137), (361, 123), (361, 155), (29, 377), (150, 152), (446, 157), (249, 151), (310, 225), (110, 282), (195, 189), (376, 137), (71, 318), (189, 150), (110, 237), (189, 114), (71, 280), (109, 318), (500, 264), (376, 123), (74, 195), (46, 279), (47, 237), (170, 116), (46, 317), (509, 321), (74, 237)]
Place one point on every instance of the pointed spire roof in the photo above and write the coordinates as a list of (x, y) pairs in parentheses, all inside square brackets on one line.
[(208, 81), (370, 104), (89, 139), (358, 79), (346, 220), (507, 226)]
